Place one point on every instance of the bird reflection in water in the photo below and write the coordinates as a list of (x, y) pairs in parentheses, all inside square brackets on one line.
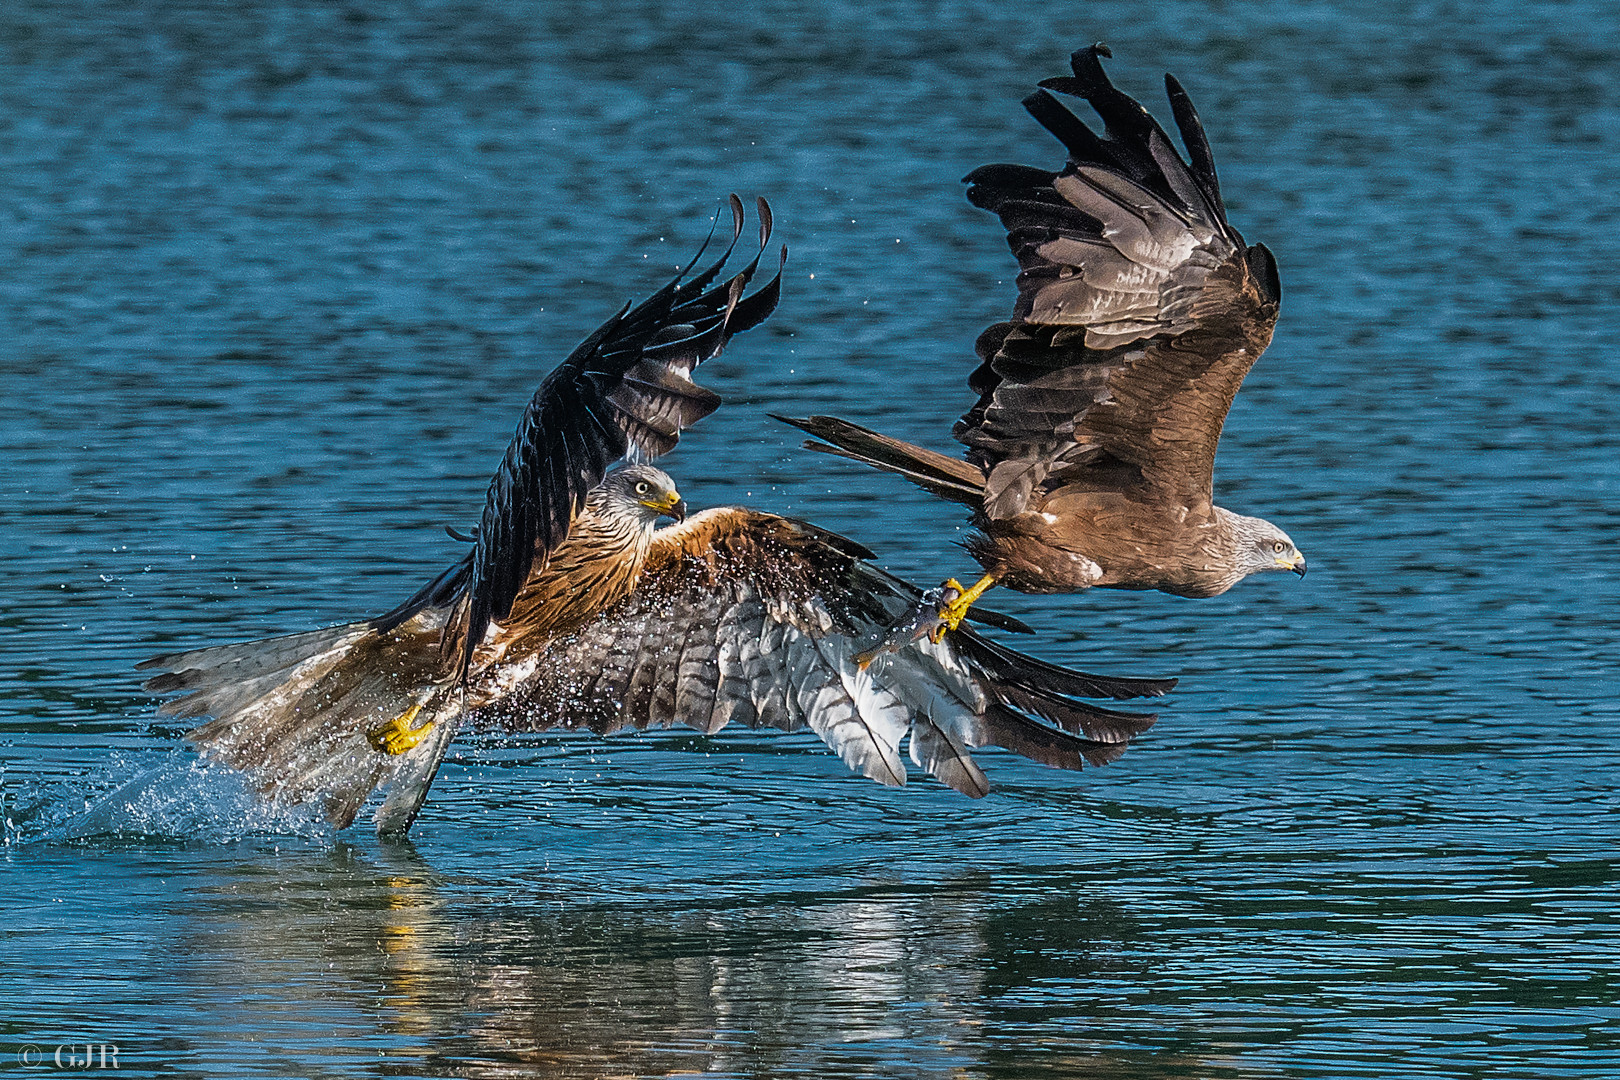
[(394, 958)]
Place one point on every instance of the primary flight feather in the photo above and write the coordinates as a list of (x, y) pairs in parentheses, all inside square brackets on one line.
[(1091, 449), (574, 609)]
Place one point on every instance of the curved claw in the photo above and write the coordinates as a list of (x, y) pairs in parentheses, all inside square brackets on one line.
[(952, 613), (397, 736), (936, 613)]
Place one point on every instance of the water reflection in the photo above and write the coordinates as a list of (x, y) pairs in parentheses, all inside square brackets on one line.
[(407, 963)]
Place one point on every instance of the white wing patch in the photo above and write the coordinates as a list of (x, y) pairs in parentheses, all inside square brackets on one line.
[(760, 661)]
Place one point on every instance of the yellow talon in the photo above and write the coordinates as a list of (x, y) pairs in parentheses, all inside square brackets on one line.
[(397, 736), (952, 614)]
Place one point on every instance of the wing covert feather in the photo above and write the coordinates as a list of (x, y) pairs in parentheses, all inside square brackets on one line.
[(624, 392), (744, 617), (1139, 310)]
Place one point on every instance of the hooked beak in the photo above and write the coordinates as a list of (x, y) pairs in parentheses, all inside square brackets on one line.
[(1297, 566), (674, 506)]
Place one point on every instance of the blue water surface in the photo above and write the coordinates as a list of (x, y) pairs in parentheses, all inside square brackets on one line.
[(278, 279)]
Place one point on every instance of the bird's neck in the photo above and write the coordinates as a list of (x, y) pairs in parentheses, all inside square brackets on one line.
[(595, 568), (1237, 535)]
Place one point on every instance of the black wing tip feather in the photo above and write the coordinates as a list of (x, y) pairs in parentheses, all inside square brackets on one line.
[(1032, 707), (1079, 140), (1201, 159), (1012, 730), (1000, 620), (587, 414), (756, 307), (1088, 78), (803, 423), (766, 221), (1123, 114), (1014, 192), (1038, 675), (1263, 264)]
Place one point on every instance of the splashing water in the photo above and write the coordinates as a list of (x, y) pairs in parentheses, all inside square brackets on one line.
[(184, 798)]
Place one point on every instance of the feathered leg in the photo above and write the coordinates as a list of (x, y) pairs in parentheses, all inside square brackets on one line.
[(324, 717)]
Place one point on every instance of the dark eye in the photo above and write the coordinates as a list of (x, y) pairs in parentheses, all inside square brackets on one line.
[(1277, 547), (641, 489)]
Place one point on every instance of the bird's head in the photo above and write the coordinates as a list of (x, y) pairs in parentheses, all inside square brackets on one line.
[(643, 492), (1254, 544), (1266, 547)]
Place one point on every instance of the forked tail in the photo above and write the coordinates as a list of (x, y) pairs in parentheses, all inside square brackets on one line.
[(294, 714), (948, 477)]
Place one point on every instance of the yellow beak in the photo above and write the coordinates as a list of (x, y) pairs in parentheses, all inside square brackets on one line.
[(1297, 566), (673, 506)]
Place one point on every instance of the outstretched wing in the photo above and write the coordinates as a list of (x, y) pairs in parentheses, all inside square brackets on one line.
[(748, 617), (1139, 310), (625, 392)]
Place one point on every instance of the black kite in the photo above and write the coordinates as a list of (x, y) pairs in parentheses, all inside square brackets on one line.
[(1091, 450)]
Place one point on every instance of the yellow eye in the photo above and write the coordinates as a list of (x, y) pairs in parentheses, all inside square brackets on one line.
[(1277, 547), (641, 489)]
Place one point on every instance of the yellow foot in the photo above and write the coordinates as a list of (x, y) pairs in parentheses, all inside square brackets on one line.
[(397, 736), (952, 613)]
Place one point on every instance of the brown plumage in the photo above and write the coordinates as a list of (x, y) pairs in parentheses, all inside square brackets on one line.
[(731, 616), (626, 392), (600, 562), (581, 613), (746, 617), (1091, 450)]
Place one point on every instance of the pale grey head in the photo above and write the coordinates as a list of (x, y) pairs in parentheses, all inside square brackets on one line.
[(639, 492), (1259, 545)]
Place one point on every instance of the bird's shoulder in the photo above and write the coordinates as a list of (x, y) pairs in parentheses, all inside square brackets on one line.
[(725, 541)]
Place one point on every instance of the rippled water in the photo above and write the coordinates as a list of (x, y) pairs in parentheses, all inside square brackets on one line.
[(278, 280)]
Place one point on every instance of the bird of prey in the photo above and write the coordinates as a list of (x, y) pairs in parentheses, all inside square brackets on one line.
[(573, 609), (1091, 450)]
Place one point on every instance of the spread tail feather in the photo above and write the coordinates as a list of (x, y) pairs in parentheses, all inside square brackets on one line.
[(947, 477), (293, 713)]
